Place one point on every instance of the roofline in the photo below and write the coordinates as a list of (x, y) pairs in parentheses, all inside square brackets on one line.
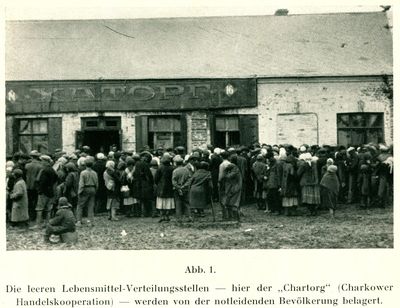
[(204, 78), (193, 17)]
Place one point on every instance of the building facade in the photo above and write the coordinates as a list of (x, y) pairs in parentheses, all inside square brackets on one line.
[(315, 79)]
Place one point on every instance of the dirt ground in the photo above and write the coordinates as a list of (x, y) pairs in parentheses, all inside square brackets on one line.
[(352, 228)]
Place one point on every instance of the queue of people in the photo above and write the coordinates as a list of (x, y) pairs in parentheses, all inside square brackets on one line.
[(166, 182)]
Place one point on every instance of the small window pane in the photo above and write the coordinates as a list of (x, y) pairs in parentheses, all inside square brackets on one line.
[(25, 127), (227, 124), (111, 123), (357, 120), (374, 135), (343, 120), (40, 143), (344, 137), (39, 126), (164, 124), (25, 144), (375, 120), (91, 123), (357, 136)]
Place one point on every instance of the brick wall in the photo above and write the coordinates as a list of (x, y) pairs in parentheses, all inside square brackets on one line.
[(325, 99)]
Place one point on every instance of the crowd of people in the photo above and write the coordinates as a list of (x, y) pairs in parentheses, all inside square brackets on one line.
[(58, 190)]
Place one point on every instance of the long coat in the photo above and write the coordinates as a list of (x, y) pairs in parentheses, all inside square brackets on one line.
[(232, 186), (200, 189), (143, 182), (19, 197), (163, 180), (288, 181)]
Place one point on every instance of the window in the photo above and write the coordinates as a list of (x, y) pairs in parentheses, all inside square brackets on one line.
[(164, 132), (101, 123), (227, 131), (359, 128), (33, 135)]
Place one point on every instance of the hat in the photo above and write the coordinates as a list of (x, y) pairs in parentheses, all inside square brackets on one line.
[(100, 156), (63, 201), (217, 151), (45, 158), (155, 163), (34, 153), (129, 161), (329, 161), (166, 158), (260, 157), (89, 160), (180, 148), (231, 150), (302, 148), (73, 156), (110, 164), (177, 159), (364, 167), (18, 173), (383, 148), (332, 168), (350, 149)]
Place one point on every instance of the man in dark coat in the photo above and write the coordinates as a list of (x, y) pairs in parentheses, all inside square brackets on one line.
[(101, 195), (215, 161), (143, 183), (47, 181), (32, 170)]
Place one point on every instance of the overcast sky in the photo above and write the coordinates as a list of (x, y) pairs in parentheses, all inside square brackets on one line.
[(82, 9)]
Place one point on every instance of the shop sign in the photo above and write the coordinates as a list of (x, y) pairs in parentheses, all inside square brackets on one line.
[(151, 95)]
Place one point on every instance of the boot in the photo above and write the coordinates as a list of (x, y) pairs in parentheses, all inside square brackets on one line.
[(39, 220), (113, 216)]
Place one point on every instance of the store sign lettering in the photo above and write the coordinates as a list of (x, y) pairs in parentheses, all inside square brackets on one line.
[(131, 95)]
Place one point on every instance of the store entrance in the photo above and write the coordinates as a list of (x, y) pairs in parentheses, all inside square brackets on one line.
[(101, 140)]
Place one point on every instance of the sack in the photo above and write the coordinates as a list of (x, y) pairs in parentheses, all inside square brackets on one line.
[(125, 191)]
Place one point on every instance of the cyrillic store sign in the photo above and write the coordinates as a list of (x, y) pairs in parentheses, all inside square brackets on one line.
[(157, 95)]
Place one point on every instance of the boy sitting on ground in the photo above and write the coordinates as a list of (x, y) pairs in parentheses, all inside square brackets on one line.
[(63, 222)]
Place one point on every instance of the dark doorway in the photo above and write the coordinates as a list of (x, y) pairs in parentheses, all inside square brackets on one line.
[(101, 140)]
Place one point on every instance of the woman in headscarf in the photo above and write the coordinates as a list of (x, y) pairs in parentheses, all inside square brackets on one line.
[(289, 185), (165, 193), (200, 187), (308, 173), (330, 189), (127, 182), (112, 182), (19, 197)]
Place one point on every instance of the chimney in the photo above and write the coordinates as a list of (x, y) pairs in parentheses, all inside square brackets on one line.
[(281, 12)]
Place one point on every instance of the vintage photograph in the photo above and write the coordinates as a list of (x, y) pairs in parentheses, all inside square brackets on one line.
[(268, 131)]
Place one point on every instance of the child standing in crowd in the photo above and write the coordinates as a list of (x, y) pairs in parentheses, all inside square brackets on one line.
[(330, 189)]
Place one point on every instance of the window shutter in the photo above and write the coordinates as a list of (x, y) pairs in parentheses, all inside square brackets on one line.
[(248, 125), (184, 135), (211, 125), (141, 128), (15, 136), (55, 134)]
